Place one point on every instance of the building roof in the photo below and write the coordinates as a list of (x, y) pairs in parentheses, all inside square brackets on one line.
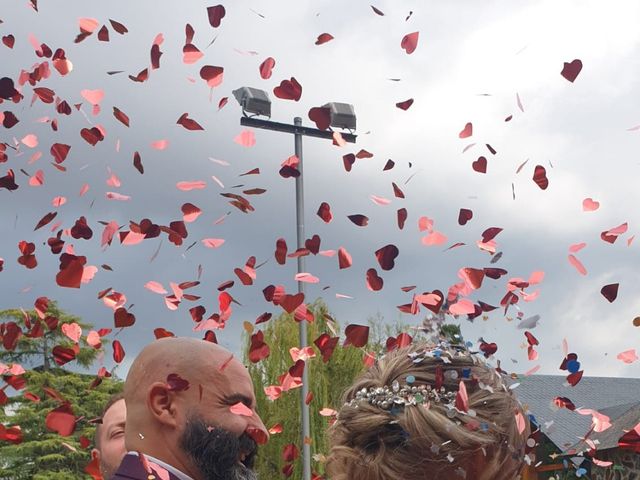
[(564, 427), (623, 418)]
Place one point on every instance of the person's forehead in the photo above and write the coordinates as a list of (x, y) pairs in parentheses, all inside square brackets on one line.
[(237, 379), (117, 413)]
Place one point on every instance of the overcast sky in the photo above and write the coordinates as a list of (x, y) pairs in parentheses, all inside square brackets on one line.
[(472, 63)]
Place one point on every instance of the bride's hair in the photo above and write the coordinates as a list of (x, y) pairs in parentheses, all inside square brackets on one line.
[(408, 417)]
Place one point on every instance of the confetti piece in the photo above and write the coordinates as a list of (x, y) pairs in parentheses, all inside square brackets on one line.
[(212, 242), (241, 409), (266, 68), (30, 140), (571, 70), (467, 131), (379, 200), (306, 278), (288, 90), (324, 212), (628, 356), (155, 287), (590, 205), (409, 42), (188, 186), (212, 75), (160, 144), (540, 177), (374, 282), (344, 258), (189, 123), (216, 14), (118, 351), (356, 335), (480, 165), (246, 138), (324, 38), (405, 105), (610, 292), (576, 247), (386, 256), (577, 264), (464, 216)]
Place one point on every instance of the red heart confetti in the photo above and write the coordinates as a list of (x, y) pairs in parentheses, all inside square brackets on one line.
[(386, 256), (467, 131), (118, 351), (266, 68), (374, 282), (571, 70), (324, 38), (480, 165), (356, 335), (288, 90), (405, 105), (464, 216), (216, 14), (188, 123), (610, 292), (409, 42), (212, 75), (61, 420), (344, 258), (324, 212), (540, 177), (321, 117)]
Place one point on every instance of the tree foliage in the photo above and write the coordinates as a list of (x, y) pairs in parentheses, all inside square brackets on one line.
[(43, 454), (327, 382), (36, 339)]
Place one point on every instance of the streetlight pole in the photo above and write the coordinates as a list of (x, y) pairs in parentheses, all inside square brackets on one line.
[(298, 132), (304, 392)]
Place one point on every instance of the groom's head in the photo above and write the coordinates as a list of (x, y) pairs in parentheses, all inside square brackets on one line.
[(192, 405)]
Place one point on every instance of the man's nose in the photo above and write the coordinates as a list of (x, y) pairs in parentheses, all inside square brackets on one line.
[(257, 431)]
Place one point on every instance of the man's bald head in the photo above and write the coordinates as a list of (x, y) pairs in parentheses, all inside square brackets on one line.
[(178, 391), (187, 357)]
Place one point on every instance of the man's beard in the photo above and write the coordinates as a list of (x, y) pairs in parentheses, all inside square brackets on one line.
[(215, 452), (107, 471)]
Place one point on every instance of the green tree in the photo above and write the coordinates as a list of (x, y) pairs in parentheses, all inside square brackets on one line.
[(43, 454), (36, 339), (327, 382)]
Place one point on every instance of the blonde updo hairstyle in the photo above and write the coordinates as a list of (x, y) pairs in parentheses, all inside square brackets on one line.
[(421, 442)]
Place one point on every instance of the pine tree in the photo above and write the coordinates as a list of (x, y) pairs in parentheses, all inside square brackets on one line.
[(43, 454)]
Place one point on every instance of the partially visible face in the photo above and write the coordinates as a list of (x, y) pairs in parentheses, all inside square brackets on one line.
[(217, 453), (223, 444), (111, 439)]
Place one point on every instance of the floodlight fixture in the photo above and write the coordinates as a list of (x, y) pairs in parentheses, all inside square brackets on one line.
[(253, 101), (342, 115)]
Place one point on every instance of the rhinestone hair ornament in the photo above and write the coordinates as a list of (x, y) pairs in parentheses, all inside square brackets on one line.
[(397, 396)]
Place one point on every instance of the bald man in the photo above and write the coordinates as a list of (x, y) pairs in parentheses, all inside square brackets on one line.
[(190, 414)]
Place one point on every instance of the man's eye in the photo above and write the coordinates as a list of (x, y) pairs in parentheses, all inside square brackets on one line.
[(117, 433)]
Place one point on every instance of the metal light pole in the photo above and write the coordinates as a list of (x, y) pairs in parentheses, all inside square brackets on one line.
[(299, 131)]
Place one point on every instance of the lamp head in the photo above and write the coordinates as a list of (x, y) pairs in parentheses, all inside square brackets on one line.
[(253, 100), (342, 115)]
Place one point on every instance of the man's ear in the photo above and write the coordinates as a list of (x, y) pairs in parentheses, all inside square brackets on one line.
[(162, 404), (95, 453)]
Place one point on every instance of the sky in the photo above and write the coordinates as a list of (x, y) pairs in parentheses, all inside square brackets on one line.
[(475, 62)]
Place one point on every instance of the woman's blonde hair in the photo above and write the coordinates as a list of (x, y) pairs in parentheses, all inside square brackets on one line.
[(429, 440)]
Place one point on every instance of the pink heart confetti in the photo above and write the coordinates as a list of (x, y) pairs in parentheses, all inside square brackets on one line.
[(246, 138), (590, 205)]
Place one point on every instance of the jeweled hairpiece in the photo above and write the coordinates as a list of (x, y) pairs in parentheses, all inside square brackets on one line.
[(396, 396)]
